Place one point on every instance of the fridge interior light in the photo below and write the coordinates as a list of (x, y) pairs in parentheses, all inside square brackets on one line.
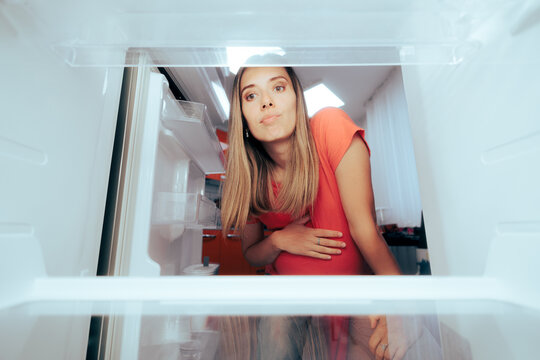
[(223, 100)]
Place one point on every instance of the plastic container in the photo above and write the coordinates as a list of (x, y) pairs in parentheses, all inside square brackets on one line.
[(204, 269), (190, 350)]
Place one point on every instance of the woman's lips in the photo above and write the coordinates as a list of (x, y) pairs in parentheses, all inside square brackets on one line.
[(268, 119)]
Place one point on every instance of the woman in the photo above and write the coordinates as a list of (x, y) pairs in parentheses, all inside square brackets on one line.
[(309, 180)]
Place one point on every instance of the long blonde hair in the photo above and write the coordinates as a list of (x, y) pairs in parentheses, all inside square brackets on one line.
[(248, 187)]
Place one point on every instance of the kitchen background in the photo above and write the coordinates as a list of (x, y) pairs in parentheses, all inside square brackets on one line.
[(375, 99)]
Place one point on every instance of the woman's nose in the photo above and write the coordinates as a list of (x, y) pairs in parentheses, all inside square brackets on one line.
[(267, 102)]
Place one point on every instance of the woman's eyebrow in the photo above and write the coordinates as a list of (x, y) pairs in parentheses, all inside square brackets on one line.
[(246, 87), (272, 79), (278, 77)]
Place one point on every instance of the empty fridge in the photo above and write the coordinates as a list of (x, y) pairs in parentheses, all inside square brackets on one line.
[(470, 73)]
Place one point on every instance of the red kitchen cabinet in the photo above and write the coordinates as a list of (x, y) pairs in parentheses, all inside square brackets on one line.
[(227, 252)]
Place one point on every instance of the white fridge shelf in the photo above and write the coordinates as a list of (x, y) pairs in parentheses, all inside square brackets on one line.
[(484, 318), (192, 210)]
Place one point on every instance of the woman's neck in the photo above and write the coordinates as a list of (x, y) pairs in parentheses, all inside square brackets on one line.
[(281, 153)]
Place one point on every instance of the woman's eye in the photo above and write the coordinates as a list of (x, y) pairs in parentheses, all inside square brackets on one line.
[(279, 88), (250, 97)]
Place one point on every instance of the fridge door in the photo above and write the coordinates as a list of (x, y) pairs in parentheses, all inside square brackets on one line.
[(171, 147), (57, 127), (161, 207)]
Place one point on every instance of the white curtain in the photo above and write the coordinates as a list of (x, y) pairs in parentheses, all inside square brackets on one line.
[(393, 167)]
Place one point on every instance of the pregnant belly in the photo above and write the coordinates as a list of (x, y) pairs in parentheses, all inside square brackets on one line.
[(349, 262)]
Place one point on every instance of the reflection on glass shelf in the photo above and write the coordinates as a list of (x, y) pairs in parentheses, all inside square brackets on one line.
[(165, 330)]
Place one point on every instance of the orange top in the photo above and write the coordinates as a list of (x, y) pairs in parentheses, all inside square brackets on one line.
[(333, 132)]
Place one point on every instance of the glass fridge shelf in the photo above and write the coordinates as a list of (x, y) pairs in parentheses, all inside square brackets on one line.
[(184, 208), (384, 32), (440, 318)]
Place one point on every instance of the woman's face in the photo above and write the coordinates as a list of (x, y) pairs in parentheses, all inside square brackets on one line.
[(268, 103)]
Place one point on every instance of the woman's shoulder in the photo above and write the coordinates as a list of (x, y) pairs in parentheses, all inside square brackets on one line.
[(329, 113), (333, 130), (327, 119)]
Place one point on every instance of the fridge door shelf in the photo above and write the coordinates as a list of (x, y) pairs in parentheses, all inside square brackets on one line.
[(189, 123), (190, 210)]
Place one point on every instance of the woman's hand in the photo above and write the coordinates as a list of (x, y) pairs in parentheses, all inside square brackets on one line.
[(298, 239), (390, 341), (378, 342)]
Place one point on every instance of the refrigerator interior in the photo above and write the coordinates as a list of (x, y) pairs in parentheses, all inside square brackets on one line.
[(470, 72)]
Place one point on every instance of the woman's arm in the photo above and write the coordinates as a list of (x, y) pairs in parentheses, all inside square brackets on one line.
[(295, 238), (353, 176), (257, 249)]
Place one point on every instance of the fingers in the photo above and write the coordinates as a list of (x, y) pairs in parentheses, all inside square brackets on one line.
[(322, 252), (373, 319), (381, 351), (298, 239), (323, 233), (327, 250), (331, 243), (318, 255), (378, 342), (373, 342), (376, 338)]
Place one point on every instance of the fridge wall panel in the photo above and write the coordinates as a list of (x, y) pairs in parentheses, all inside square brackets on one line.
[(25, 336), (56, 136), (57, 125), (477, 143), (491, 337)]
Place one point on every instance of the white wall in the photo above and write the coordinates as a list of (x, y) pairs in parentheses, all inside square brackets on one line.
[(56, 133)]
